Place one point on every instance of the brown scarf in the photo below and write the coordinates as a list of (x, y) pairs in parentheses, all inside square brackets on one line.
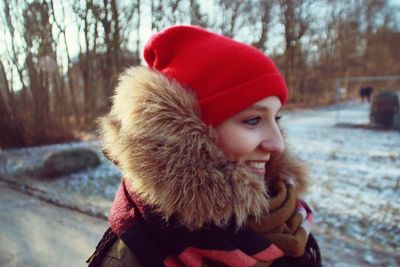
[(288, 222)]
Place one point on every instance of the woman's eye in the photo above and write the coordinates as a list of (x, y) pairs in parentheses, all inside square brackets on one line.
[(278, 118), (253, 121)]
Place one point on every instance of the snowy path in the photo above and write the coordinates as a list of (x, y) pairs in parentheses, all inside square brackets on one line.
[(37, 234)]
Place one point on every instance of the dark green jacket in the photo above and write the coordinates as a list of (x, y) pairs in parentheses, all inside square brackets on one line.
[(119, 255)]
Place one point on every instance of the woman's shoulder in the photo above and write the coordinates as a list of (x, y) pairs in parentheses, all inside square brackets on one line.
[(120, 255)]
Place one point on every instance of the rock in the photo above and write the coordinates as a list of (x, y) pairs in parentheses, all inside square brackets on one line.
[(396, 121), (384, 107), (69, 161)]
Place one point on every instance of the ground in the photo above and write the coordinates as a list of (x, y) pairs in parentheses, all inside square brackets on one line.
[(355, 176), (36, 233)]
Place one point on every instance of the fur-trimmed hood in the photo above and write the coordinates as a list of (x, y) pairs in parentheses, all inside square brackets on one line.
[(172, 159)]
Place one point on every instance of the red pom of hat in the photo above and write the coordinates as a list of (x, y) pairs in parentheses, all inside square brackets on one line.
[(227, 76)]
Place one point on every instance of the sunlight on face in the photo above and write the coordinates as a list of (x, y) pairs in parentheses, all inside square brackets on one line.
[(251, 135)]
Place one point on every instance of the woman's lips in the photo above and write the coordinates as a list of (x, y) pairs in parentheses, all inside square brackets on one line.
[(256, 167)]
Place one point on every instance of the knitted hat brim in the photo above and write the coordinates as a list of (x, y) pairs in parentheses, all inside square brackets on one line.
[(242, 96)]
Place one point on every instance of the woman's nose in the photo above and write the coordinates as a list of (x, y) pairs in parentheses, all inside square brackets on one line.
[(273, 140)]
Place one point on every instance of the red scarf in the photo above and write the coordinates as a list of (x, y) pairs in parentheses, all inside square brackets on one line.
[(158, 243)]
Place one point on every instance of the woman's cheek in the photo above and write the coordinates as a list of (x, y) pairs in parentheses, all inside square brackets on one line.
[(232, 145), (243, 148)]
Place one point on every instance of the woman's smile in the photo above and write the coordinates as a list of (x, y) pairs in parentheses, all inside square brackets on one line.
[(256, 167)]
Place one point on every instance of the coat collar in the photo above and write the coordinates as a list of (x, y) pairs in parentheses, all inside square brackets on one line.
[(172, 160)]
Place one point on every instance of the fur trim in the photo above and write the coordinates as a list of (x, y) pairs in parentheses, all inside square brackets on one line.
[(171, 158), (286, 167)]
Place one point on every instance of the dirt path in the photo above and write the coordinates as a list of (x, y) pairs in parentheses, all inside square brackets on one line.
[(38, 234)]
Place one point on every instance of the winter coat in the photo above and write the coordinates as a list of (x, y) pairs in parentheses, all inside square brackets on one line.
[(172, 160), (119, 255)]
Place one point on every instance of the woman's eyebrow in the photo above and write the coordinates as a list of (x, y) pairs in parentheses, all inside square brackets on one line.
[(260, 108)]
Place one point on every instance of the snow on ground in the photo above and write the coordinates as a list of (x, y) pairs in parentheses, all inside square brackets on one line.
[(355, 174), (355, 177)]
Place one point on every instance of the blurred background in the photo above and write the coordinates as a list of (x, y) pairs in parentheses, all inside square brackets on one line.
[(59, 60), (59, 64)]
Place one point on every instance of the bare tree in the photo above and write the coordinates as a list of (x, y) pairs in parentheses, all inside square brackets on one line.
[(88, 15), (60, 24), (296, 19), (264, 8), (15, 52), (137, 25), (196, 16), (372, 10), (38, 36), (11, 132), (116, 35), (165, 13), (6, 96), (104, 27), (232, 16)]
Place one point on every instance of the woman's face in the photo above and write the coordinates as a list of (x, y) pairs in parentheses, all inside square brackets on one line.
[(251, 135)]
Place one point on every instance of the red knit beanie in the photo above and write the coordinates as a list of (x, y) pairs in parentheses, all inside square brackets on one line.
[(226, 76)]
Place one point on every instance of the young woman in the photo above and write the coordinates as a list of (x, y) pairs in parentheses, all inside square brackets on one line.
[(207, 180)]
